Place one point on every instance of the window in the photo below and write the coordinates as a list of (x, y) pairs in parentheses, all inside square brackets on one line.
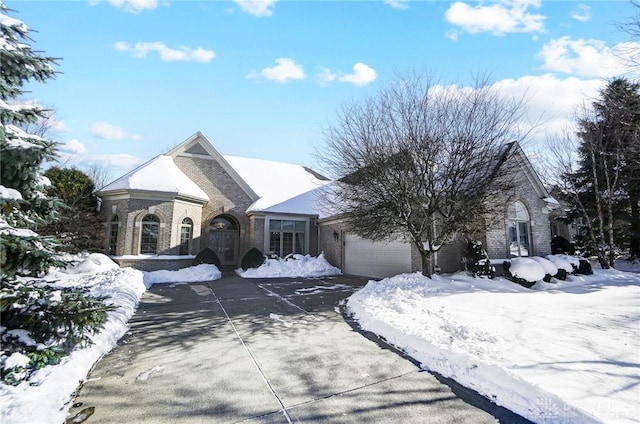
[(186, 232), (518, 230), (286, 236), (149, 236), (113, 234)]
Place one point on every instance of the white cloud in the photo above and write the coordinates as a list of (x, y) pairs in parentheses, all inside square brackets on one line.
[(257, 7), (551, 102), (326, 75), (285, 70), (133, 6), (589, 58), (581, 13), (398, 4), (112, 132), (504, 16), (184, 54), (362, 75), (73, 147)]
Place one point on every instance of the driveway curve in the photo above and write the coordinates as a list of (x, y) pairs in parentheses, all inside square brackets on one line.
[(265, 351)]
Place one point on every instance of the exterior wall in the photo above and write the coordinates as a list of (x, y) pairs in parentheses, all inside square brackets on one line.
[(449, 257), (497, 243), (225, 197), (172, 264), (332, 247), (182, 210), (130, 213)]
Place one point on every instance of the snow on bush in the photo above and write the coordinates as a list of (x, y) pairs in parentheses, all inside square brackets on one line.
[(94, 262), (526, 269), (198, 273), (561, 263), (548, 266), (573, 260), (293, 266)]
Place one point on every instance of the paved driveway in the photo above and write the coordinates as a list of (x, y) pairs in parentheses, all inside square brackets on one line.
[(265, 351)]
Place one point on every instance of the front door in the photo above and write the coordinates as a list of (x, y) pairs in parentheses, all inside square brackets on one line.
[(223, 239)]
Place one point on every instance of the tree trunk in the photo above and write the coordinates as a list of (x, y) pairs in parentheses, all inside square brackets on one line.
[(426, 263), (634, 238)]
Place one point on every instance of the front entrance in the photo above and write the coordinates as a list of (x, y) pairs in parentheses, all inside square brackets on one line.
[(224, 239)]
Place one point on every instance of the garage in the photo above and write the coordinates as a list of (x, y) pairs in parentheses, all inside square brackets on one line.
[(375, 259)]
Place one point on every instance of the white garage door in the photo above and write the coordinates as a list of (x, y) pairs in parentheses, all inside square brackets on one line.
[(375, 259)]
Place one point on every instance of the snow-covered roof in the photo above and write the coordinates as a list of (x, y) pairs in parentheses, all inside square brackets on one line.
[(276, 183), (160, 174)]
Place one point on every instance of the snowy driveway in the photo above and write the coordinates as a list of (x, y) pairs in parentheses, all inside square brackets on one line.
[(268, 351)]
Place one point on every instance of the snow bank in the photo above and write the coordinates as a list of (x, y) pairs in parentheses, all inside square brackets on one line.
[(48, 393), (27, 403), (297, 266), (564, 352), (202, 272)]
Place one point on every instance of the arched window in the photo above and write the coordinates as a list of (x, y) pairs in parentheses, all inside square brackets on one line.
[(113, 234), (518, 230), (186, 232), (149, 236), (222, 223)]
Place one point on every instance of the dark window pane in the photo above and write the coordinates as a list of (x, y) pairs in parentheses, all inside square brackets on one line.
[(287, 243), (274, 243)]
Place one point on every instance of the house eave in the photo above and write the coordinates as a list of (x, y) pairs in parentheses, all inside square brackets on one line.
[(149, 195)]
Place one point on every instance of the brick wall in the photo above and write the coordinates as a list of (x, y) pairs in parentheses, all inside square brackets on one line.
[(497, 242)]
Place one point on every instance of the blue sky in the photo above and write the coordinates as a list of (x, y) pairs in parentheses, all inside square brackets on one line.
[(262, 78)]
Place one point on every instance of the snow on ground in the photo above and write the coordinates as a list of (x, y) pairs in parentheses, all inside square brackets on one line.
[(50, 398), (563, 352), (296, 266)]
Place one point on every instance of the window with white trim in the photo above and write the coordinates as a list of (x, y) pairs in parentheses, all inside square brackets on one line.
[(149, 234), (287, 236), (518, 230), (186, 233)]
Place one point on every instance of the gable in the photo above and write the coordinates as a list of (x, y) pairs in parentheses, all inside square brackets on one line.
[(199, 146)]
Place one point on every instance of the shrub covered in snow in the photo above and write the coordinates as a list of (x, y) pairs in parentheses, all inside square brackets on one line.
[(524, 271), (585, 267), (549, 268), (564, 267), (44, 325), (478, 260), (252, 259)]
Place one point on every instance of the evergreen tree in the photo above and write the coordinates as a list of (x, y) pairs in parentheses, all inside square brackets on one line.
[(609, 171), (40, 324), (80, 226)]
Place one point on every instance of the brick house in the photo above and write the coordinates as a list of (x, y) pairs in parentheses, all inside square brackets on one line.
[(167, 210), (162, 213)]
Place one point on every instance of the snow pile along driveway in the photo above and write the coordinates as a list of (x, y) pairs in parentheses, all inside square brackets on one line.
[(564, 352), (293, 266)]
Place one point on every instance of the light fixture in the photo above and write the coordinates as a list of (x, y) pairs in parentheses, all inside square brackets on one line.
[(336, 235)]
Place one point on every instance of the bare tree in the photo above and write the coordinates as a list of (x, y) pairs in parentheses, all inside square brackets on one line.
[(563, 173), (631, 26), (419, 161)]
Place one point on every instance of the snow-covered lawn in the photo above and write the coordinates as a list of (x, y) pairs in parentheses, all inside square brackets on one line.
[(563, 352)]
